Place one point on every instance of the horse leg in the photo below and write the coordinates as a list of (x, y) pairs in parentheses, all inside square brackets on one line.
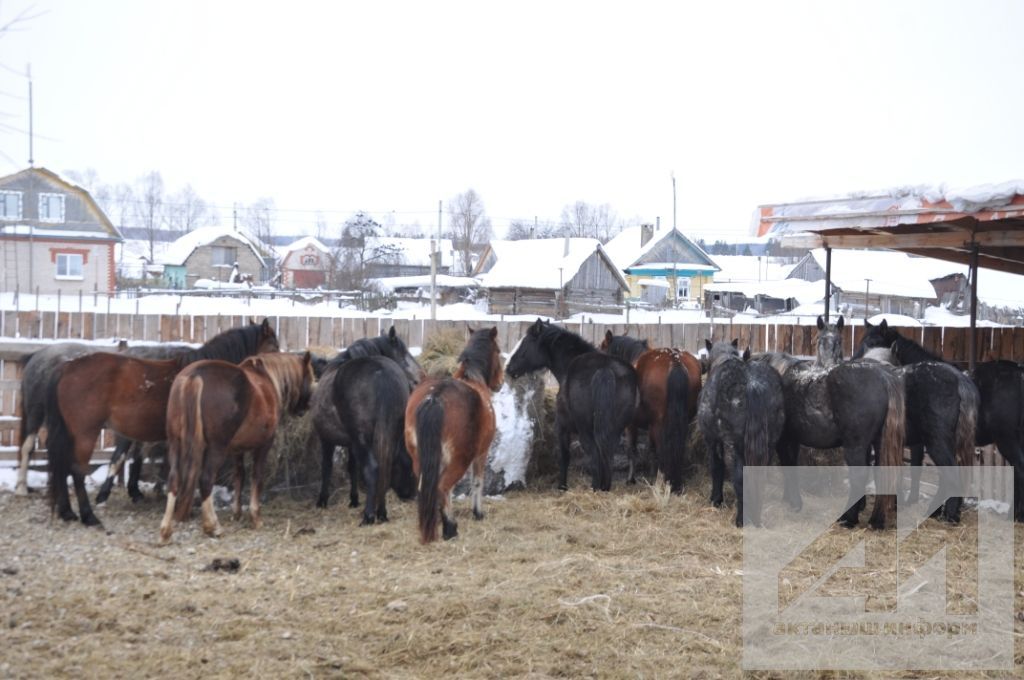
[(326, 470), (1011, 451), (24, 455), (737, 486), (239, 484), (855, 459), (88, 518), (632, 453), (717, 465), (916, 461), (947, 502), (259, 460), (211, 462), (564, 441), (449, 527), (121, 446), (478, 470), (352, 466), (789, 455), (134, 471), (371, 469)]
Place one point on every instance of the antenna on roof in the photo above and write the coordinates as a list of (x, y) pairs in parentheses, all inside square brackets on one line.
[(31, 154)]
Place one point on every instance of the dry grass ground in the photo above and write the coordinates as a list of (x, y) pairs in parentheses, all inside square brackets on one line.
[(625, 584)]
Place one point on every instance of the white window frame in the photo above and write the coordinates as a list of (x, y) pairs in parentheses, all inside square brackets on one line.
[(66, 259), (18, 212), (44, 200), (683, 288)]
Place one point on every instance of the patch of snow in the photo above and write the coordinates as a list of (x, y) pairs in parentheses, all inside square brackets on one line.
[(511, 453)]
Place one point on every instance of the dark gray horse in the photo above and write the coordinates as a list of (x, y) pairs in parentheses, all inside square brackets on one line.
[(598, 394), (850, 405), (739, 417), (331, 431)]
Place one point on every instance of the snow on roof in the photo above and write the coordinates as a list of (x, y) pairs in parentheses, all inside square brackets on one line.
[(391, 283), (750, 268), (890, 272), (303, 243), (625, 249), (27, 229), (540, 263), (180, 250), (805, 292)]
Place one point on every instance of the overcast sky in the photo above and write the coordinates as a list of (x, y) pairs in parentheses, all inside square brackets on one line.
[(392, 106)]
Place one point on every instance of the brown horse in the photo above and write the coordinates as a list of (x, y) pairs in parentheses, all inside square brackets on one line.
[(126, 394), (449, 426), (669, 381), (217, 409)]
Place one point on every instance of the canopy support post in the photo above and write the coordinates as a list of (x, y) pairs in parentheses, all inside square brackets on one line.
[(828, 280), (972, 339)]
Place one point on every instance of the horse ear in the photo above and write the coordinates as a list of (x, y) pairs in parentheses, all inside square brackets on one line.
[(645, 343), (821, 323), (884, 325), (746, 354), (707, 343), (868, 324), (391, 333), (307, 357), (736, 343), (266, 326), (839, 324), (608, 335), (494, 332)]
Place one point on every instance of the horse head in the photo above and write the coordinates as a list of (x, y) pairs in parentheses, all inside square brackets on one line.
[(721, 350), (481, 359), (876, 336), (830, 343), (530, 354), (267, 341), (306, 384), (399, 353)]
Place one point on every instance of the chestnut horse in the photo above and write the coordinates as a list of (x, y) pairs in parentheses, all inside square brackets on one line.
[(449, 426), (217, 409), (669, 392), (126, 394)]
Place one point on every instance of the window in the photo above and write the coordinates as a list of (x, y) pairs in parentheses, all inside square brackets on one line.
[(10, 205), (224, 255), (51, 207), (69, 266), (683, 291)]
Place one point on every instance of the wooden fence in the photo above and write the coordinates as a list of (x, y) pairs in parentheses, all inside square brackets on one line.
[(300, 332)]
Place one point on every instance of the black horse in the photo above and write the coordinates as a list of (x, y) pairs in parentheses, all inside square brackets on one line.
[(597, 395), (1000, 412), (333, 433), (739, 417), (849, 405)]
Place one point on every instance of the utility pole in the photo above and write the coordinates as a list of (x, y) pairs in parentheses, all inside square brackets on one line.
[(31, 135), (674, 200), (867, 297), (435, 252)]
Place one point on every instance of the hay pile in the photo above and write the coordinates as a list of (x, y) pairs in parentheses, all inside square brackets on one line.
[(440, 352)]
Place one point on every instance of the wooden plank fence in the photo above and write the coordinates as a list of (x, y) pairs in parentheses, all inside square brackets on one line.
[(324, 333)]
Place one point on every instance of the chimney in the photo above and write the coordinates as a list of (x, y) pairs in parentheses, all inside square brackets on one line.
[(565, 249), (646, 233)]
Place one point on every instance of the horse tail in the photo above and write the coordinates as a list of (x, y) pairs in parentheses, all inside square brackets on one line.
[(672, 447), (59, 444), (757, 449), (191, 448), (891, 454), (388, 435), (967, 421), (429, 426), (23, 390), (606, 436)]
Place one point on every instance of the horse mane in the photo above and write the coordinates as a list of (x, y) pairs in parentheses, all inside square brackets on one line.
[(553, 336), (627, 348), (906, 351), (232, 345), (475, 359), (364, 347), (286, 372)]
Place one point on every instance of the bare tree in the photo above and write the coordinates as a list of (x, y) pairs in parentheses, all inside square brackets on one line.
[(358, 249), (584, 220), (258, 219), (524, 229), (187, 211), (149, 207), (469, 226)]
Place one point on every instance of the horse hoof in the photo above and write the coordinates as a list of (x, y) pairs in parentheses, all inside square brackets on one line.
[(91, 520), (21, 490), (68, 515), (563, 487), (321, 503), (631, 481), (137, 498), (450, 531), (102, 497), (717, 502), (351, 504), (367, 521), (848, 523), (478, 515)]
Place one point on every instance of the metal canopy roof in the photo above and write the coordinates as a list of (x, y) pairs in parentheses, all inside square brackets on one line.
[(945, 228)]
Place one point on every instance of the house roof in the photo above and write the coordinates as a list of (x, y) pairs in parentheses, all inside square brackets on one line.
[(180, 250), (303, 243), (109, 231), (891, 273), (542, 263), (625, 250)]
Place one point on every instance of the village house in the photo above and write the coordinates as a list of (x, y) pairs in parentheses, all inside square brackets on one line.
[(554, 277), (211, 254), (305, 263), (54, 236), (661, 266)]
